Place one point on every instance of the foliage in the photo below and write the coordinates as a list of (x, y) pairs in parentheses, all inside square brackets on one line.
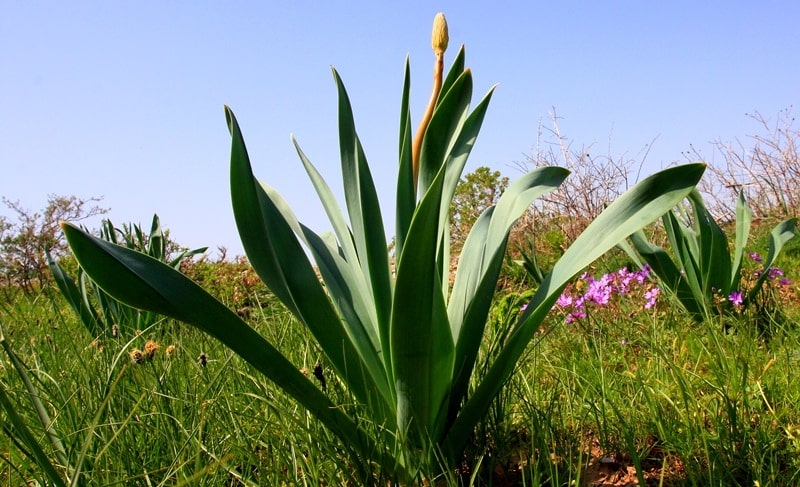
[(405, 345), (25, 239), (110, 313), (706, 274), (475, 192)]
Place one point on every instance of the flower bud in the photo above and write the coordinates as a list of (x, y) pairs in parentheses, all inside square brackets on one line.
[(439, 37)]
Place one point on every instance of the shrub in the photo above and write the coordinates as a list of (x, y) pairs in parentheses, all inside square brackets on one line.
[(26, 238)]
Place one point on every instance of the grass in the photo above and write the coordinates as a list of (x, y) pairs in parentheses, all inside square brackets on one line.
[(646, 395)]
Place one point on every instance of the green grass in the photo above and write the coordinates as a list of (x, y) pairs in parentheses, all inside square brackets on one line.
[(679, 402)]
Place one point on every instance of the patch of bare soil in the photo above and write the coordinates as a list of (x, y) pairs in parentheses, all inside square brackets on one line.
[(661, 468)]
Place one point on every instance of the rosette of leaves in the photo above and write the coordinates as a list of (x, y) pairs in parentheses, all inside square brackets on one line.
[(404, 342), (703, 270), (98, 311)]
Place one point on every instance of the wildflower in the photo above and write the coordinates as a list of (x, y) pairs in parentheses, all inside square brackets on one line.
[(773, 273), (565, 300), (170, 351), (523, 307), (575, 315), (599, 291), (650, 297), (623, 342), (736, 299), (785, 281), (755, 256)]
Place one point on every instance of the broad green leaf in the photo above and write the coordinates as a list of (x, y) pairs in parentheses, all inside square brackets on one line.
[(443, 130), (715, 257), (273, 249), (782, 233), (69, 289), (479, 268), (456, 70), (348, 290), (146, 283), (364, 209), (331, 206), (421, 344), (744, 218), (406, 192), (669, 274), (642, 204)]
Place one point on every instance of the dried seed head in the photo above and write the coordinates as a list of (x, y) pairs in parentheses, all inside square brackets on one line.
[(439, 37), (150, 348), (170, 351), (320, 375), (136, 356), (203, 359)]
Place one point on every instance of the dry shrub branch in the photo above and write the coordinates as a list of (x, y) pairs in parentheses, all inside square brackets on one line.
[(767, 170)]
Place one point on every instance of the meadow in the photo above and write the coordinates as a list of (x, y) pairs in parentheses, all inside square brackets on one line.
[(566, 328), (625, 393)]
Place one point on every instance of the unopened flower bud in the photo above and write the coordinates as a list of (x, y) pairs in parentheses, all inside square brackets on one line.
[(439, 37)]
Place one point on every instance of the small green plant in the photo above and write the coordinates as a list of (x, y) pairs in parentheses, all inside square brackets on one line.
[(404, 344), (111, 314), (703, 273)]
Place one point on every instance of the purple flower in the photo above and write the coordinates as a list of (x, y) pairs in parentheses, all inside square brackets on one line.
[(651, 296), (564, 301), (736, 298), (575, 315), (523, 307), (785, 282), (755, 256), (774, 272), (599, 291)]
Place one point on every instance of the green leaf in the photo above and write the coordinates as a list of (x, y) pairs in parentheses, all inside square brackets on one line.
[(146, 283), (269, 235), (744, 217), (782, 233), (479, 267), (669, 274), (406, 193), (444, 129), (421, 344), (364, 210), (69, 289), (640, 205), (456, 70)]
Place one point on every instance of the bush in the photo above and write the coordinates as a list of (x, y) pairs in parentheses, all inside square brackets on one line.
[(26, 237)]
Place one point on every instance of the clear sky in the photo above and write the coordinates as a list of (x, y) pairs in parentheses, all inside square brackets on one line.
[(124, 99)]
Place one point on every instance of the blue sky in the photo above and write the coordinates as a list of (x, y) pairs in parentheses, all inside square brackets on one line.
[(124, 99)]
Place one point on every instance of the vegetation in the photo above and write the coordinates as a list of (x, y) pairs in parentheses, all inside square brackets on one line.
[(351, 372)]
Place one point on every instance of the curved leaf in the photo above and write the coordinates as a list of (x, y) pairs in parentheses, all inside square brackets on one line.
[(637, 207), (143, 282)]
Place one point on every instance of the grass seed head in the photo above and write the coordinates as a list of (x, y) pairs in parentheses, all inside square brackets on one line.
[(136, 356)]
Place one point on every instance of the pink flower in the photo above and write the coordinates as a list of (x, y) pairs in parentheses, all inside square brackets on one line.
[(651, 296), (736, 298)]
